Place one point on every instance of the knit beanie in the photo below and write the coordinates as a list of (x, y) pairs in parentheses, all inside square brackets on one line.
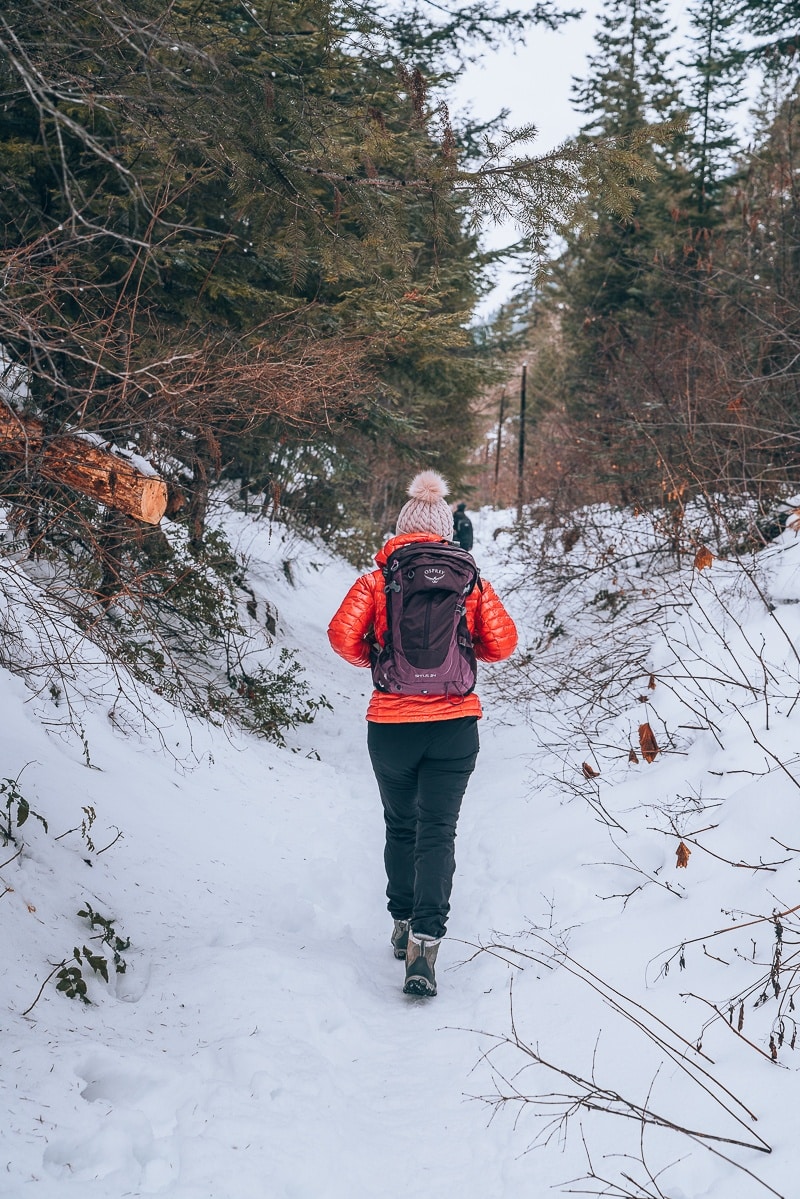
[(426, 511)]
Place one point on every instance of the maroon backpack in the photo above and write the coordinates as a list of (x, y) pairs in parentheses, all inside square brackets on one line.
[(428, 648)]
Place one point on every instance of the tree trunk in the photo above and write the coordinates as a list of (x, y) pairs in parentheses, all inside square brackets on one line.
[(90, 469)]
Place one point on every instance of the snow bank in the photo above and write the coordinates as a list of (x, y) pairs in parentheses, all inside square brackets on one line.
[(258, 1044)]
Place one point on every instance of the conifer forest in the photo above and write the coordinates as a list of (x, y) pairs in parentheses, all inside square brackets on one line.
[(243, 250), (248, 288), (244, 242)]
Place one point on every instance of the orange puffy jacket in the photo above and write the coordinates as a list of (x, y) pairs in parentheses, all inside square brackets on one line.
[(361, 621)]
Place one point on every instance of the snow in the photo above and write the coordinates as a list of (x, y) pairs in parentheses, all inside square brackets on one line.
[(258, 1043)]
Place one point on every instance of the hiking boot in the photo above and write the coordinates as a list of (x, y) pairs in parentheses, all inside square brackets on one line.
[(420, 959), (400, 938)]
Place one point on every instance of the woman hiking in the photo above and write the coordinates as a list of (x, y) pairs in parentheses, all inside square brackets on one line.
[(422, 733)]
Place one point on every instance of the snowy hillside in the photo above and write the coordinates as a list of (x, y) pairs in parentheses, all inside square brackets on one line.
[(608, 1021)]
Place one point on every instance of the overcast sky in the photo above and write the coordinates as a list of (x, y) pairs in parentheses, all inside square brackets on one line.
[(534, 80)]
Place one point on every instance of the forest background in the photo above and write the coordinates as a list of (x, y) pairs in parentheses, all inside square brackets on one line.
[(242, 242), (243, 250)]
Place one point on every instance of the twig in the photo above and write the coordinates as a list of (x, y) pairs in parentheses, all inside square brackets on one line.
[(11, 859), (611, 1102), (105, 847), (612, 997), (767, 751), (732, 928), (714, 1008), (59, 966), (788, 848), (771, 867)]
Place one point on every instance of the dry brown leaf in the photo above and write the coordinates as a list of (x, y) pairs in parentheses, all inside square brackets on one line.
[(703, 558), (589, 772), (652, 683), (683, 853), (793, 521), (740, 1023), (633, 756), (643, 699), (648, 743)]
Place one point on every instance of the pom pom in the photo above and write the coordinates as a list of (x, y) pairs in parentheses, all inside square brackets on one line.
[(428, 486)]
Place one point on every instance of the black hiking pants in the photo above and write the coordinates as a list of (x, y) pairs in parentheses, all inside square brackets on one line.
[(422, 771)]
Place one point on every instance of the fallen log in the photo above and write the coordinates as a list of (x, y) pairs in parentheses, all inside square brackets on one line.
[(91, 468)]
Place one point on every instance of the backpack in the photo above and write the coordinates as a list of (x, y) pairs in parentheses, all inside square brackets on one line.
[(428, 648)]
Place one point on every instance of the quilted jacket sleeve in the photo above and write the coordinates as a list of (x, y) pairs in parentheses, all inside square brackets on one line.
[(495, 634), (352, 629)]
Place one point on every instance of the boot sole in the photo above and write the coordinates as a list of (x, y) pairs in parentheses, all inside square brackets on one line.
[(419, 986)]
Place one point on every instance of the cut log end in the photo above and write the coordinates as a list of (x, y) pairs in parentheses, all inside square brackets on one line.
[(93, 470), (154, 501)]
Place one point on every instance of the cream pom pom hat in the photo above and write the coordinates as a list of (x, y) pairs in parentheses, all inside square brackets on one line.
[(426, 511)]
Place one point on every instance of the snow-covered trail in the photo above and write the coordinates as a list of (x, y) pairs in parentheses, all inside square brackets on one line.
[(259, 1045)]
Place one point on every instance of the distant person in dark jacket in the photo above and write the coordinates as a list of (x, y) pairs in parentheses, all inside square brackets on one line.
[(462, 527)]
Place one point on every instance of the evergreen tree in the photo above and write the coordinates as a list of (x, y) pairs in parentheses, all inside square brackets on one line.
[(628, 84), (774, 23), (677, 355), (760, 291), (607, 277), (231, 230), (628, 87), (716, 84)]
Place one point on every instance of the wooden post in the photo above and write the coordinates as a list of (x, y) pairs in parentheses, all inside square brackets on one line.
[(521, 457), (500, 418), (89, 468)]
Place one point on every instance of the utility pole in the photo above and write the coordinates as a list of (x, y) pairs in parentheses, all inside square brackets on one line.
[(521, 460), (500, 419)]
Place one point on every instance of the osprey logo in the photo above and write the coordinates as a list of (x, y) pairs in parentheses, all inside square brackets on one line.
[(434, 574)]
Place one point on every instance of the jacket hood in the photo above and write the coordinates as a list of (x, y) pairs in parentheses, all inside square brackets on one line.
[(394, 543)]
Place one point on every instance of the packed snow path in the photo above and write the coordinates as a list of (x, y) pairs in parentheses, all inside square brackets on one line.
[(259, 1043)]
